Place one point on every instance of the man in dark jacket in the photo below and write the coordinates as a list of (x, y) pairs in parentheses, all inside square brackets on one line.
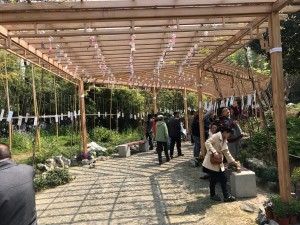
[(175, 134), (17, 195)]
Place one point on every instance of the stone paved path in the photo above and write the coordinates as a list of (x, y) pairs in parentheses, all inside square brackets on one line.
[(136, 190)]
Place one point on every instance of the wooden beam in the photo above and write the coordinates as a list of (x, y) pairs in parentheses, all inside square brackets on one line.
[(279, 108), (133, 14), (107, 5), (124, 31), (83, 119)]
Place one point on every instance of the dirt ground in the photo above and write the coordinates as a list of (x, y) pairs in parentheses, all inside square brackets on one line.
[(136, 190)]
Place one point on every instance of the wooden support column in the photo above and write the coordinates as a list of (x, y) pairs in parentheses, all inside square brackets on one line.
[(110, 108), (10, 130), (154, 100), (200, 111), (279, 108), (36, 114), (56, 113), (82, 117), (186, 119)]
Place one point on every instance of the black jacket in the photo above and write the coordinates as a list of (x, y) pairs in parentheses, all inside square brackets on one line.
[(174, 127), (17, 195)]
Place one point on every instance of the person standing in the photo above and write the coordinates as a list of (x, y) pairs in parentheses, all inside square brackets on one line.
[(227, 121), (149, 131), (17, 195), (175, 134), (215, 145), (162, 137), (191, 119)]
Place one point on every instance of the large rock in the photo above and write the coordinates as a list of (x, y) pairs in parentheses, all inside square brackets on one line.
[(85, 162), (93, 146), (51, 163), (43, 167), (67, 162), (254, 164), (59, 161)]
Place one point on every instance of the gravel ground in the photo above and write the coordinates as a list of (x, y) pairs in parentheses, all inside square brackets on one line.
[(136, 190)]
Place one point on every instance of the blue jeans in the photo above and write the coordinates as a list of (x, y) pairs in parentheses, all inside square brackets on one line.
[(196, 146)]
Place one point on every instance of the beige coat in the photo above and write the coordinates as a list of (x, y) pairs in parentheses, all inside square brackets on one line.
[(216, 144)]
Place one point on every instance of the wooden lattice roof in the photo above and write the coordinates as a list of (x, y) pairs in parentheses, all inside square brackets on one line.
[(63, 36)]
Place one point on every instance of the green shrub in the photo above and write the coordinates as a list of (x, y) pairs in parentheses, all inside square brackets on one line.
[(22, 142), (51, 179), (296, 174), (101, 134)]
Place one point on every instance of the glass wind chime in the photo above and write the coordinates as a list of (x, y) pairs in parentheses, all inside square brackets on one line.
[(131, 56), (161, 62)]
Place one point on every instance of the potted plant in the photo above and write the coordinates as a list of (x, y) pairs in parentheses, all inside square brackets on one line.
[(268, 205), (296, 180), (281, 209), (294, 211)]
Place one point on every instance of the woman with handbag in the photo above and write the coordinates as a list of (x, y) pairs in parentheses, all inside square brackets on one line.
[(217, 147)]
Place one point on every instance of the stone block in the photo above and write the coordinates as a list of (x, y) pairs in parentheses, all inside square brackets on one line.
[(144, 147), (124, 150), (243, 184)]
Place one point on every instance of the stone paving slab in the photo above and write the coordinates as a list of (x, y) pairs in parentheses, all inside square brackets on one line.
[(136, 190)]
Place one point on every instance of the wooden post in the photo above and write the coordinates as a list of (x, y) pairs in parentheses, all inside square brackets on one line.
[(186, 119), (56, 116), (36, 111), (110, 108), (154, 100), (200, 111), (10, 130), (82, 117), (279, 108)]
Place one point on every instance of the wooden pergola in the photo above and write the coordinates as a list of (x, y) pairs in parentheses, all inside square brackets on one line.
[(174, 44)]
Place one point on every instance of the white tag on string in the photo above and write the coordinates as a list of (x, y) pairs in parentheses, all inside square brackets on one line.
[(9, 116), (1, 115), (56, 118), (135, 117), (138, 115), (35, 121), (200, 105), (26, 117), (254, 96), (20, 121), (231, 100), (122, 115), (249, 100), (98, 114), (78, 112), (69, 114), (222, 104), (227, 102), (62, 116), (75, 114), (242, 101), (105, 114), (205, 105)]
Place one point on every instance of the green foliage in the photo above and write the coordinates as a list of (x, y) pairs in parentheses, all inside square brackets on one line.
[(281, 209), (101, 134), (22, 142), (296, 174), (258, 62), (51, 179), (294, 208)]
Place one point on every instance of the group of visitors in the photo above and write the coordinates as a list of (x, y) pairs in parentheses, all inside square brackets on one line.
[(166, 135), (222, 134)]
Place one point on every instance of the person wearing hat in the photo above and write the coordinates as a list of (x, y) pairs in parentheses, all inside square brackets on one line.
[(216, 145), (162, 139)]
